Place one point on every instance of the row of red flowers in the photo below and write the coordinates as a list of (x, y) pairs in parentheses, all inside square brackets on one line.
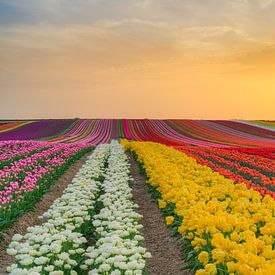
[(262, 152), (233, 170), (264, 165)]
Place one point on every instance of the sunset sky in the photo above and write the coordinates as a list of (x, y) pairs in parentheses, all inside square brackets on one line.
[(209, 59)]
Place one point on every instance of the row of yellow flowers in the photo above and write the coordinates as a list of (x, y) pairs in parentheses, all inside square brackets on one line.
[(230, 228)]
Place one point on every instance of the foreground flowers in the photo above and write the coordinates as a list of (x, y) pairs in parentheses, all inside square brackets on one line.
[(227, 228), (32, 168), (59, 246), (118, 248)]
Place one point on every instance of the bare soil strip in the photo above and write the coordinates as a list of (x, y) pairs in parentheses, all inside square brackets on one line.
[(31, 218), (165, 250)]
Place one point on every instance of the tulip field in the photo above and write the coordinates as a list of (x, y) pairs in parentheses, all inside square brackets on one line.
[(212, 182), (218, 133)]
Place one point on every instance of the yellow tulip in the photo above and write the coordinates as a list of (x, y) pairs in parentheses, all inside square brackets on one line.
[(203, 257), (162, 204), (169, 220), (231, 266), (218, 255), (211, 269), (202, 272)]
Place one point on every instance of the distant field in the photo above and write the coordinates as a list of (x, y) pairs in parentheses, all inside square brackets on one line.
[(219, 133)]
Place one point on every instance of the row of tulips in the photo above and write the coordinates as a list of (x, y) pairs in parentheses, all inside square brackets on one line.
[(266, 152), (226, 228), (261, 164), (233, 170), (13, 150), (24, 181), (58, 245), (118, 247), (96, 205)]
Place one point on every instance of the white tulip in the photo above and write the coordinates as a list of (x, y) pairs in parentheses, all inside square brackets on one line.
[(41, 260), (17, 237), (49, 268), (11, 251), (19, 271), (93, 272), (67, 266), (104, 268), (26, 261), (58, 262), (56, 273)]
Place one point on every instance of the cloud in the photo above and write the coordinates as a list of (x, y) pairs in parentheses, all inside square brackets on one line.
[(128, 35), (141, 33), (252, 17), (116, 46)]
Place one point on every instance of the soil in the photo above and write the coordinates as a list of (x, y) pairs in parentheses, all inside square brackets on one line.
[(165, 249), (31, 218)]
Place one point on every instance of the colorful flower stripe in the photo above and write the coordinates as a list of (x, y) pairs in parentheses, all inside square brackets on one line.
[(201, 133), (27, 179), (79, 130), (255, 130), (37, 129), (262, 152), (194, 129), (220, 132), (10, 126), (159, 131), (233, 171), (269, 125), (58, 246), (227, 228), (170, 132), (247, 138), (118, 247), (90, 132)]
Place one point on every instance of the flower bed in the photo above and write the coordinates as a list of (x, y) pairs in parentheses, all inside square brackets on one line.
[(226, 227), (24, 181), (118, 247)]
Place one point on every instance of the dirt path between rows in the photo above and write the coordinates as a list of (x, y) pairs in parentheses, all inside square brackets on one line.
[(165, 250), (31, 218)]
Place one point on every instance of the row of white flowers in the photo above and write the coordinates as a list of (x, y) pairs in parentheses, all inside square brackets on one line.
[(58, 246), (118, 248)]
